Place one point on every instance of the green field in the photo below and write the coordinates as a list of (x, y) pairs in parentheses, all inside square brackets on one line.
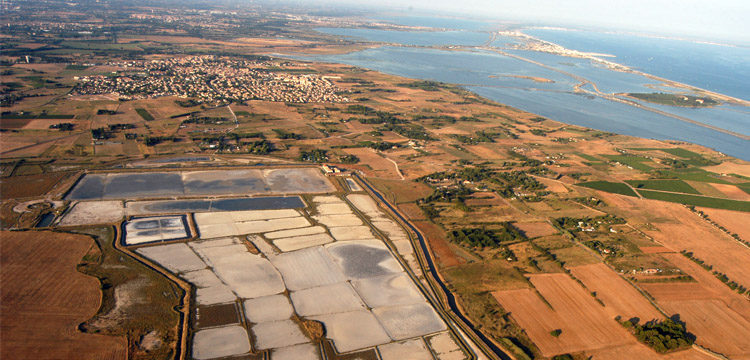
[(681, 153), (665, 185), (694, 174), (144, 114), (703, 201), (636, 162), (675, 99), (744, 187), (587, 156), (93, 45), (611, 187)]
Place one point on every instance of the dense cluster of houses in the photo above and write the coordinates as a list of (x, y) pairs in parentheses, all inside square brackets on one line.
[(211, 80)]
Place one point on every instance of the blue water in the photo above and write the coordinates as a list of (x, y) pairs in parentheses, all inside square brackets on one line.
[(720, 68), (420, 38), (495, 76)]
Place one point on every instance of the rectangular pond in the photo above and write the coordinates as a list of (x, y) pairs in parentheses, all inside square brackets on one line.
[(135, 185)]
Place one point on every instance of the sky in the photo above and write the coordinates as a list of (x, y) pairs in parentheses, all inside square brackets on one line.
[(717, 19)]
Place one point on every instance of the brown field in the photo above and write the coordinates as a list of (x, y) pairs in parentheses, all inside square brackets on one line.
[(13, 123), (485, 152), (719, 317), (708, 244), (379, 166), (438, 244), (552, 185), (585, 324), (655, 249), (640, 351), (486, 199), (41, 310), (411, 211), (734, 221), (676, 291), (732, 192), (29, 185), (716, 326), (731, 167), (535, 229), (401, 191), (620, 297), (713, 285), (706, 188), (677, 228)]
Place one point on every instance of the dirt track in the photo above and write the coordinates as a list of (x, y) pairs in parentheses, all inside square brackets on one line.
[(44, 299)]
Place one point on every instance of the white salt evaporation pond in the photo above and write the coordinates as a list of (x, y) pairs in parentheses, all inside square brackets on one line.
[(158, 228), (133, 185), (322, 263)]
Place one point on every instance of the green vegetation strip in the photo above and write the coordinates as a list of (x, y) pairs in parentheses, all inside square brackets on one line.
[(636, 162), (144, 114), (664, 185), (675, 99), (692, 174), (611, 187), (694, 200)]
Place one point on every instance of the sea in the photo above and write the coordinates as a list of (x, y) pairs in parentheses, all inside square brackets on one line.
[(463, 54)]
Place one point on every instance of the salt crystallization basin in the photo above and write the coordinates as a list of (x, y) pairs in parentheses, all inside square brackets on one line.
[(259, 274), (130, 185)]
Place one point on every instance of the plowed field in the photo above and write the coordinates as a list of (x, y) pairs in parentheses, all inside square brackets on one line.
[(44, 299)]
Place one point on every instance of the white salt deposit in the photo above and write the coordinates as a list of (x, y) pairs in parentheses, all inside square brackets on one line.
[(389, 290), (261, 226), (413, 349), (220, 342), (177, 258), (301, 242), (338, 220), (327, 199), (327, 299), (333, 209), (408, 321), (365, 204), (353, 330), (268, 308), (443, 343), (307, 268), (249, 275), (94, 212), (295, 232), (209, 288), (352, 233), (296, 352), (276, 334)]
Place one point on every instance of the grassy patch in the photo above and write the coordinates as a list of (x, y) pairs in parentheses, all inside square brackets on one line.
[(635, 162), (681, 153), (587, 156), (154, 312), (664, 185), (144, 114), (694, 174), (611, 187), (694, 200), (76, 67)]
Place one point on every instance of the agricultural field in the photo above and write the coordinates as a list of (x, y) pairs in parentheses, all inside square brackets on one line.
[(42, 309)]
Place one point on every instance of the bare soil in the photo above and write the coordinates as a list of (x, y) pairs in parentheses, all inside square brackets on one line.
[(44, 299)]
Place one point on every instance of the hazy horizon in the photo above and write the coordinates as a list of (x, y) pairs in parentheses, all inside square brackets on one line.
[(721, 21)]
